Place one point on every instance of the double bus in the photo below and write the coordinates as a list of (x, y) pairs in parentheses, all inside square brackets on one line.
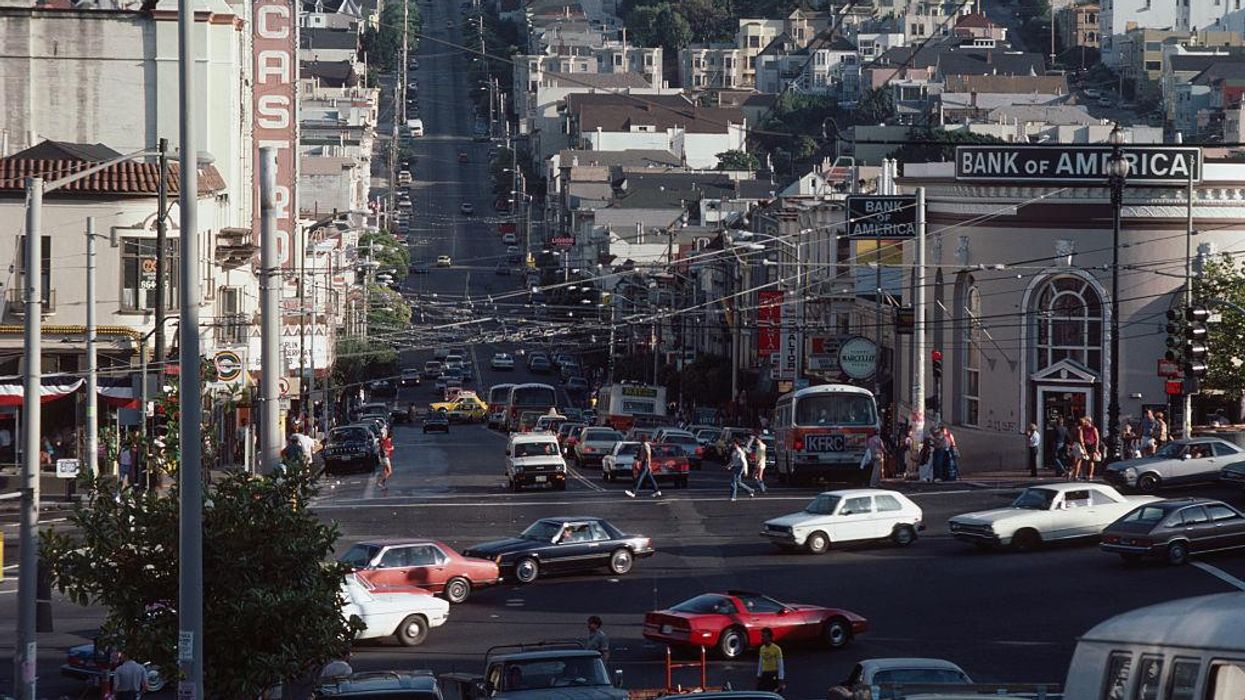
[(528, 397), (626, 406), (821, 432), (498, 395)]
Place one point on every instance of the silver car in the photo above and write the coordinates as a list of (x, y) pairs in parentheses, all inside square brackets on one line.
[(1179, 462)]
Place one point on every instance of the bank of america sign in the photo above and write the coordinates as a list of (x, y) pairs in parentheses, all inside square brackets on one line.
[(1148, 165)]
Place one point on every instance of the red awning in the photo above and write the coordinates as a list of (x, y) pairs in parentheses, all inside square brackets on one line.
[(12, 390)]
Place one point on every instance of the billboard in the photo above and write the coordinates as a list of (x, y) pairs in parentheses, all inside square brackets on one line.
[(275, 109), (769, 322), (1147, 165), (881, 216)]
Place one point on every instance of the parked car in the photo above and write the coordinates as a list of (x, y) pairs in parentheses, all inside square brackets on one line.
[(90, 663), (593, 444), (878, 678), (1173, 530), (533, 459), (1048, 513), (561, 545), (405, 614), (1178, 462), (444, 261), (502, 269), (618, 463), (467, 208), (1234, 474), (850, 515), (427, 564), (502, 361), (382, 389), (732, 622), (436, 423), (407, 685), (540, 365), (350, 448), (509, 239)]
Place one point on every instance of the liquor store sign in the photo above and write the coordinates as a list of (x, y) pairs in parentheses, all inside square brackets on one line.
[(1147, 165)]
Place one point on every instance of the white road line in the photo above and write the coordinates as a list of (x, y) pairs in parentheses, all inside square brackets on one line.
[(1221, 575), (584, 480)]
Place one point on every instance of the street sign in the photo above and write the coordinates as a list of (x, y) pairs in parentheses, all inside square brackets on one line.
[(881, 216), (1174, 387), (769, 319), (1169, 368), (290, 386), (858, 357), (228, 365), (147, 278), (1147, 165), (66, 469)]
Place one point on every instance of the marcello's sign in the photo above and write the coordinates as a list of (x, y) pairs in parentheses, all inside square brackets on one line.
[(1147, 165)]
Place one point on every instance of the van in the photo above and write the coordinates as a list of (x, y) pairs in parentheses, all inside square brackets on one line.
[(534, 459), (404, 177), (416, 126), (1189, 648)]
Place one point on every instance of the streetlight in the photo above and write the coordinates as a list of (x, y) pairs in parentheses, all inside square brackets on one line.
[(798, 247), (1117, 173)]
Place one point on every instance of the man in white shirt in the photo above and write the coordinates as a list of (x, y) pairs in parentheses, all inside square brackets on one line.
[(128, 679), (1033, 439), (739, 467)]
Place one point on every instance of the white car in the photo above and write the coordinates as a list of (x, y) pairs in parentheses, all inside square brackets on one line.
[(444, 261), (533, 459), (879, 677), (406, 614), (502, 361), (846, 516), (618, 463), (509, 239), (1046, 514)]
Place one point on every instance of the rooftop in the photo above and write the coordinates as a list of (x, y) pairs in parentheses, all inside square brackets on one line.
[(611, 112), (628, 158), (125, 178), (318, 38)]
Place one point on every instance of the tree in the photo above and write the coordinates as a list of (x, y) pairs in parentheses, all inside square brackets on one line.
[(737, 160), (659, 25), (927, 145), (360, 359), (1223, 277), (876, 106), (272, 611)]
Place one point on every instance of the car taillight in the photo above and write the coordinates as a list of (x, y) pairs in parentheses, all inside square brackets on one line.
[(700, 451), (588, 449), (798, 444)]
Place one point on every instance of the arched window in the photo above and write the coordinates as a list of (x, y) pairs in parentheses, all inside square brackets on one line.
[(1068, 314)]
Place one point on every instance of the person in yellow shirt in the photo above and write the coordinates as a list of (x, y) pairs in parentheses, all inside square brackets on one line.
[(771, 675)]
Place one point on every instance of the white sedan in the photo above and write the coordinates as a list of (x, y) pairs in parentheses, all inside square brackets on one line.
[(502, 360), (847, 516), (1046, 514), (619, 461), (406, 613)]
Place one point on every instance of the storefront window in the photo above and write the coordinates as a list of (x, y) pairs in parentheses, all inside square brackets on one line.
[(138, 274), (1068, 314)]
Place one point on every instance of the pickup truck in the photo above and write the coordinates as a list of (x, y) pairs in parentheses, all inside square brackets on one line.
[(540, 671)]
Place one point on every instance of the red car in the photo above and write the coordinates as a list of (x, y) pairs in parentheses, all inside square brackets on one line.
[(427, 564), (670, 463), (732, 622)]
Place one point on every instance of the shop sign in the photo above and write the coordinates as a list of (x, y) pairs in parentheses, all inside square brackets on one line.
[(881, 216), (858, 357), (1147, 165)]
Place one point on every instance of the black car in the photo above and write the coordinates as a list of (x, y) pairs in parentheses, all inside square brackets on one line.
[(436, 422), (1233, 474), (382, 389), (351, 448), (560, 545), (1175, 529)]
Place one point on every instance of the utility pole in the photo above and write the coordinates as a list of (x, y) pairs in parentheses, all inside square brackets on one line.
[(162, 245), (304, 395), (917, 420), (270, 304), (403, 72), (1186, 411), (92, 369), (190, 398), (799, 311), (26, 652)]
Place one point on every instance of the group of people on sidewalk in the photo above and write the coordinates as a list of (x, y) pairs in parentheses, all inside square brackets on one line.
[(1078, 450)]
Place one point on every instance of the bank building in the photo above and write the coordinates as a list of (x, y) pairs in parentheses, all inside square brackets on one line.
[(1019, 254)]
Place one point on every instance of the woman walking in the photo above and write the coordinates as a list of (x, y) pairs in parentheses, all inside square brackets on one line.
[(386, 462), (1076, 451)]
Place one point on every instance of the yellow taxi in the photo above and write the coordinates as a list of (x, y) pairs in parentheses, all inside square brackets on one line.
[(466, 407)]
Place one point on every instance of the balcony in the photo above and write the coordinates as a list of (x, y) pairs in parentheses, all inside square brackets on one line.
[(15, 302), (234, 248)]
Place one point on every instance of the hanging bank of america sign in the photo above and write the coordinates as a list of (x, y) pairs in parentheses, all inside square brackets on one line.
[(1147, 165)]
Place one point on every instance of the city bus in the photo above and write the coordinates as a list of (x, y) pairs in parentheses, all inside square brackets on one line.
[(528, 397), (626, 406), (498, 395), (821, 432)]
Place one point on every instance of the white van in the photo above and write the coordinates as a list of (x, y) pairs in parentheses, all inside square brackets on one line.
[(1192, 648), (416, 126), (534, 459)]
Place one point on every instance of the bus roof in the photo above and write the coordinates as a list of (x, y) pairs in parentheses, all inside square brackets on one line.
[(531, 385), (1206, 622), (826, 389)]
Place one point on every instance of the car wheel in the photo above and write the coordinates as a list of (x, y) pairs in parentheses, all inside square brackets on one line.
[(1026, 540), (732, 643), (817, 543), (526, 570), (456, 590), (837, 633), (413, 631), (621, 561), (1148, 483), (904, 535), (1178, 553)]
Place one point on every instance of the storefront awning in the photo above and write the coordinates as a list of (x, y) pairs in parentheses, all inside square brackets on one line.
[(12, 391)]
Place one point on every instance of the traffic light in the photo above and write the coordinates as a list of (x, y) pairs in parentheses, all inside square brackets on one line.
[(936, 356), (1196, 340), (1175, 335)]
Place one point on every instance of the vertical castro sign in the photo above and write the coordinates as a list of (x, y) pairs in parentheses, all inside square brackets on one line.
[(769, 322), (275, 42)]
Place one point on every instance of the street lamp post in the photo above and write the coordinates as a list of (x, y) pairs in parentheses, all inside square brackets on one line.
[(1117, 172), (798, 248)]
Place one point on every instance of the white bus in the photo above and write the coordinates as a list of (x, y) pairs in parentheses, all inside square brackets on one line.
[(1190, 649), (528, 397), (624, 406), (498, 395), (822, 431)]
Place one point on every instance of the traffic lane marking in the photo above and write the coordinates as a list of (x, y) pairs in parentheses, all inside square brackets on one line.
[(1220, 574)]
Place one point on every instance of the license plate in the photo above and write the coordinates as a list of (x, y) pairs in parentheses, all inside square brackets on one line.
[(666, 629), (541, 479)]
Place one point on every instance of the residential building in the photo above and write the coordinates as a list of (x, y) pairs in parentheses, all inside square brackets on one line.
[(1187, 84), (713, 66), (1120, 17), (1143, 52), (333, 74), (609, 122), (329, 45), (871, 45), (1076, 26), (827, 65), (752, 38), (978, 26), (331, 14)]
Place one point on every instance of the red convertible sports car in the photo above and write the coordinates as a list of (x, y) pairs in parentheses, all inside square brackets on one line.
[(733, 621)]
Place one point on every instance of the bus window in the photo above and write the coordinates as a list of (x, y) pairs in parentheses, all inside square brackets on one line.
[(1183, 682), (1149, 677), (835, 409), (1227, 680), (1115, 687)]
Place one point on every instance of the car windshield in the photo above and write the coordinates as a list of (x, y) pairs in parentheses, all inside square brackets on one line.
[(359, 555), (707, 603), (709, 435), (602, 436), (349, 435), (542, 531), (919, 676), (535, 449), (1035, 499), (1145, 514), (835, 409), (542, 674), (680, 440), (823, 505)]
